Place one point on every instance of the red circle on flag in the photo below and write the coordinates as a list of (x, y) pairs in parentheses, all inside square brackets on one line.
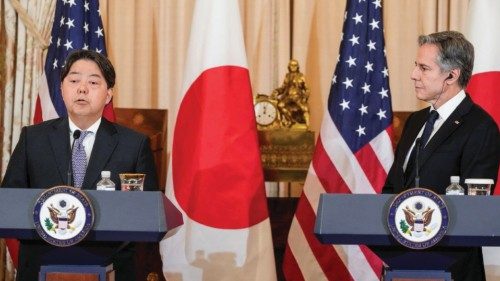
[(217, 175)]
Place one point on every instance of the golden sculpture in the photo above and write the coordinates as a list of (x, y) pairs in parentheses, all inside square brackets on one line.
[(292, 98), (286, 144)]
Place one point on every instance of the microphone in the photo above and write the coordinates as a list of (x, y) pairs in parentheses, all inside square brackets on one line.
[(76, 135), (418, 143)]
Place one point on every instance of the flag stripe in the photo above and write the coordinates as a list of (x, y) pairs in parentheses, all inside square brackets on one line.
[(331, 264), (350, 254), (383, 151), (354, 150), (327, 173), (371, 166), (346, 163), (326, 255), (373, 261), (294, 273)]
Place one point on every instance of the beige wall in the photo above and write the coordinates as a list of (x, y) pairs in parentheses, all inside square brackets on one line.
[(147, 41)]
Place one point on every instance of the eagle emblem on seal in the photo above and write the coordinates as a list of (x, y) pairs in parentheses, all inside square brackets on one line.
[(62, 217), (417, 217)]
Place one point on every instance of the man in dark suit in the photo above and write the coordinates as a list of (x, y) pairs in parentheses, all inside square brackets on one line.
[(462, 139), (42, 156)]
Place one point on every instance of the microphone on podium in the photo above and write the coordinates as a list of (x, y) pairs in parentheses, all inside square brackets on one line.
[(418, 144), (76, 135)]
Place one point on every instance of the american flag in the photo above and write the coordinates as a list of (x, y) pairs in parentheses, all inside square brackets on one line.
[(353, 152), (77, 25)]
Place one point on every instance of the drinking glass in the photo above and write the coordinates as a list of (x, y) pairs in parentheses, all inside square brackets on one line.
[(132, 181)]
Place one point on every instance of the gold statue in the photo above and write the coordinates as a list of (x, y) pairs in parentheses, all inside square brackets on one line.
[(292, 98)]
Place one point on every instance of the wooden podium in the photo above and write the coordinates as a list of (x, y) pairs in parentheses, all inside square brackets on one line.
[(362, 219), (120, 218)]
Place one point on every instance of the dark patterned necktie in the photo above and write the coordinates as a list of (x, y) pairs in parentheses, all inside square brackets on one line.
[(79, 160), (424, 138)]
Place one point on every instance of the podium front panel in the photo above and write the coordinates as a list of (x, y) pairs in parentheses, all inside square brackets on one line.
[(119, 216), (362, 219)]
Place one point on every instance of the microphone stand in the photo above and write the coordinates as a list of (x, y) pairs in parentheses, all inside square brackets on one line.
[(418, 143)]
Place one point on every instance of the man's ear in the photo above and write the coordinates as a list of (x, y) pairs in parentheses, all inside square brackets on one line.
[(453, 76), (109, 95)]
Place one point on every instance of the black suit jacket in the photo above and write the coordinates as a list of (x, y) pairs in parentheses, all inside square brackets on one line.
[(41, 160), (42, 156), (466, 145)]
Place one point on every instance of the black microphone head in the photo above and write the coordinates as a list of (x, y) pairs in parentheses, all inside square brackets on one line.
[(76, 134)]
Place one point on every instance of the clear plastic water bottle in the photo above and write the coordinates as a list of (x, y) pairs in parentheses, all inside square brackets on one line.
[(454, 188), (105, 183)]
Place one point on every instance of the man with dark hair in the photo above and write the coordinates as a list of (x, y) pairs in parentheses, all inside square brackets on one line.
[(456, 137), (42, 155)]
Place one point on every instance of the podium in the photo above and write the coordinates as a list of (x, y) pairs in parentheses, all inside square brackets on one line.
[(362, 219), (120, 218)]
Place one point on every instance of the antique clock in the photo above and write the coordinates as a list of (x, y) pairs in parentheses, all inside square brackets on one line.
[(286, 143), (266, 112)]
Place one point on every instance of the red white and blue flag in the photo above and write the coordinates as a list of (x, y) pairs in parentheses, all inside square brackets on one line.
[(353, 153), (215, 175), (77, 25)]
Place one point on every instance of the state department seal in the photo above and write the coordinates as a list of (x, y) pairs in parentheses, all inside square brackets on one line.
[(63, 216), (418, 218)]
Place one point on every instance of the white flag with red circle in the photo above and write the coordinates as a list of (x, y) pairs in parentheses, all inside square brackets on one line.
[(482, 30), (484, 87), (215, 176)]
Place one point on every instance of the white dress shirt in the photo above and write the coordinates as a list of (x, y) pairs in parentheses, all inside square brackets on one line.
[(89, 140), (444, 112)]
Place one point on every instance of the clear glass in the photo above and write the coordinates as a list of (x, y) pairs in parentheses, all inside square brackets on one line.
[(132, 181), (479, 186)]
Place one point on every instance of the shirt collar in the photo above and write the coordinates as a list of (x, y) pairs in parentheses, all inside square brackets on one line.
[(93, 128), (448, 107)]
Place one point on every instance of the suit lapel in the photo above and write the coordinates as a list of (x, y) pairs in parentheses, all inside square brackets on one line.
[(449, 126), (413, 130), (59, 142), (106, 140), (407, 140)]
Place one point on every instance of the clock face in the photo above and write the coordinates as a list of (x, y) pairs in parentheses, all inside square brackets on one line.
[(265, 113)]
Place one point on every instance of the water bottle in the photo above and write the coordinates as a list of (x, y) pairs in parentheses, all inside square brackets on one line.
[(105, 183), (454, 188)]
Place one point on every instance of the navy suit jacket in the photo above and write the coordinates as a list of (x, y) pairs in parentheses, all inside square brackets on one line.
[(42, 156), (466, 145), (41, 160)]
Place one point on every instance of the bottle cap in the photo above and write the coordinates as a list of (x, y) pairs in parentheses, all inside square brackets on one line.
[(105, 174), (454, 179)]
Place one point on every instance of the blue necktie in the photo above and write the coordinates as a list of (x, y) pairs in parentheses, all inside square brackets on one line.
[(79, 160), (424, 138), (429, 127)]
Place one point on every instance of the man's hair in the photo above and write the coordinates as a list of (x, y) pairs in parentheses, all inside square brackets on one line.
[(454, 52), (102, 62)]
